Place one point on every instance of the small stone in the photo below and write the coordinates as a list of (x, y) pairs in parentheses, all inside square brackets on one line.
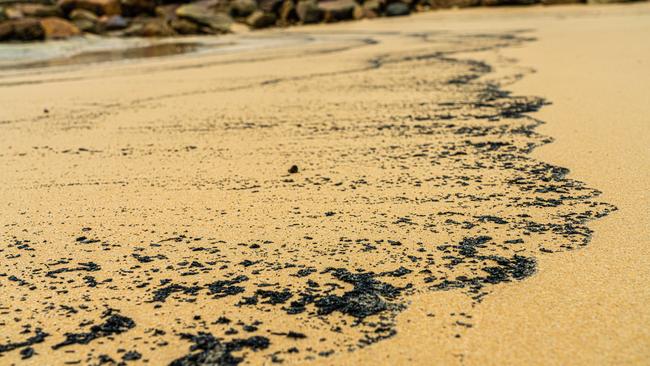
[(309, 12), (242, 8), (293, 169), (337, 10), (184, 26), (259, 19), (397, 9)]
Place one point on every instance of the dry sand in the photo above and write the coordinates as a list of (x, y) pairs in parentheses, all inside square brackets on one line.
[(419, 227)]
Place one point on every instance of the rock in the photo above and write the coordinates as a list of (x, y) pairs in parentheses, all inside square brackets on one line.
[(287, 13), (115, 22), (308, 11), (242, 8), (28, 29), (260, 19), (38, 10), (184, 26), (86, 26), (150, 27), (203, 14), (559, 2), (167, 11), (508, 2), (397, 9), (57, 28), (85, 20), (132, 8), (336, 10), (270, 6), (437, 4), (99, 7), (371, 8), (358, 12), (6, 30), (79, 14), (13, 13), (592, 2)]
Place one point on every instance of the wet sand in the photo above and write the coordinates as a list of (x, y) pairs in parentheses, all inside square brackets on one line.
[(153, 205)]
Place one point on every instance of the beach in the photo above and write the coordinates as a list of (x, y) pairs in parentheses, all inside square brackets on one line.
[(456, 187)]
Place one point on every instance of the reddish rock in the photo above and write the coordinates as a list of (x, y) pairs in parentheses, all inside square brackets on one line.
[(99, 7), (57, 28)]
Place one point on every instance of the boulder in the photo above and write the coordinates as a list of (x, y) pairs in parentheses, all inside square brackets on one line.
[(132, 8), (336, 10), (287, 13), (27, 29), (371, 8), (203, 14), (260, 19), (85, 20), (99, 7), (57, 28), (6, 30), (242, 8), (184, 26), (397, 9), (150, 27), (269, 6), (308, 11)]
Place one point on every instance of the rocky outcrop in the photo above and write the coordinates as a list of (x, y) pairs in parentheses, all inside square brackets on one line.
[(30, 20)]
